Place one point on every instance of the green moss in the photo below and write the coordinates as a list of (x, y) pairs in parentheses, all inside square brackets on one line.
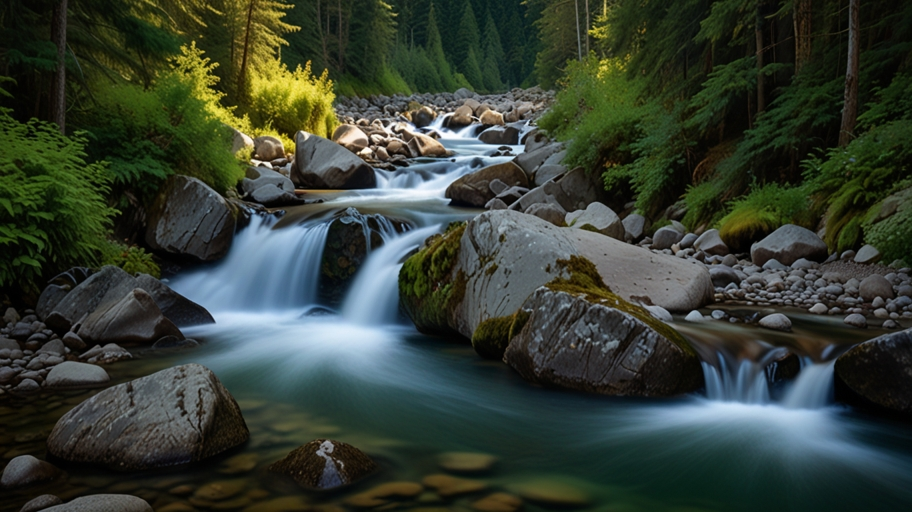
[(583, 280), (492, 336), (491, 269), (519, 321), (590, 227), (428, 288)]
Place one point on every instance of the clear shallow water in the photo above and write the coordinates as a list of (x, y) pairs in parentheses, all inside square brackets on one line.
[(363, 376)]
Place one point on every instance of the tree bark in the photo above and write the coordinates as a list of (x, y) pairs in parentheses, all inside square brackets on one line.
[(801, 18), (57, 112), (850, 103), (242, 74), (758, 33)]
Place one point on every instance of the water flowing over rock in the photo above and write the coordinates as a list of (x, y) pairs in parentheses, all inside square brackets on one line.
[(322, 164), (325, 464), (190, 219), (175, 416), (787, 245), (876, 373), (589, 344)]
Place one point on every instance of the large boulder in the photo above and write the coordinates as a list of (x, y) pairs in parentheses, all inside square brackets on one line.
[(325, 464), (787, 245), (176, 416), (111, 284), (500, 136), (876, 373), (190, 219), (135, 318), (350, 137), (489, 267), (581, 336), (474, 190), (322, 164), (599, 218)]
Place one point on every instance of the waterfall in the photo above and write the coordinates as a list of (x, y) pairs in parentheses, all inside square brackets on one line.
[(265, 270), (813, 389), (374, 295)]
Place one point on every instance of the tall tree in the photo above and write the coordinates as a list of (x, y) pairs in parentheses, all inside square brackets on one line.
[(850, 98), (58, 89), (468, 37)]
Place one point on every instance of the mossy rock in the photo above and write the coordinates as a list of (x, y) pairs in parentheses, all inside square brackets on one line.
[(429, 286), (492, 336)]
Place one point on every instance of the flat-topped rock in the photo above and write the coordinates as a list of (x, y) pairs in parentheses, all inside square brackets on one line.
[(788, 244)]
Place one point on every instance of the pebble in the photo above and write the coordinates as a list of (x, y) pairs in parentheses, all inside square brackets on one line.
[(776, 322), (498, 502), (27, 386), (25, 470), (217, 491), (40, 503), (890, 324), (552, 493), (381, 494), (856, 320), (465, 462), (694, 316), (448, 486)]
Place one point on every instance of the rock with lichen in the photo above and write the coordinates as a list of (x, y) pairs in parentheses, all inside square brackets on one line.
[(325, 464)]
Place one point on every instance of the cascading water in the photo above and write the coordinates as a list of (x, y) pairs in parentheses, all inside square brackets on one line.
[(813, 389)]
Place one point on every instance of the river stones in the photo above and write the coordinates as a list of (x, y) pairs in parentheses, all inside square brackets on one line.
[(875, 286), (41, 503), (776, 322), (466, 462), (268, 148), (325, 464), (70, 374), (587, 339), (190, 219), (876, 373), (322, 164), (788, 244), (103, 503), (500, 135), (448, 486), (175, 416), (133, 319), (384, 493), (498, 502), (711, 243), (599, 218), (26, 470), (422, 145), (350, 137), (268, 187), (555, 492), (474, 189)]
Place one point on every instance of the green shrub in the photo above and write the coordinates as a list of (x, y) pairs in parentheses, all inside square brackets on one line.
[(176, 126), (762, 211), (133, 259), (892, 234), (290, 101), (704, 204), (53, 213)]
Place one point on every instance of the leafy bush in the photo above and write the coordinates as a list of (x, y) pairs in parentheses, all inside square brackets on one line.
[(891, 234), (704, 204), (133, 259), (290, 101), (53, 213), (173, 127), (762, 211)]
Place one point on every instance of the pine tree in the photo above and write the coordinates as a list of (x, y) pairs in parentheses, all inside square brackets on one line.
[(467, 37), (493, 56), (436, 55), (472, 71)]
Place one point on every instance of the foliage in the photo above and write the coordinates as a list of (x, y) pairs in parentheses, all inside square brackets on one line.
[(892, 235), (53, 213), (133, 259), (173, 127), (291, 101), (762, 211)]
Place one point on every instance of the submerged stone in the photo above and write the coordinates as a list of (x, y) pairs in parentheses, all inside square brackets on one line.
[(325, 464)]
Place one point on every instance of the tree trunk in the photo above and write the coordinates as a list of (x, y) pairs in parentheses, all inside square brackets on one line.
[(850, 103), (758, 33), (57, 112), (242, 74), (579, 42), (802, 21)]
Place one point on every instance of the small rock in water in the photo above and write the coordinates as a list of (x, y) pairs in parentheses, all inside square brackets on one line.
[(498, 502), (105, 502), (218, 491), (40, 503), (27, 386), (694, 316), (659, 313), (325, 464), (70, 374), (25, 470), (448, 486), (776, 322), (552, 493), (856, 320), (718, 314), (890, 324), (463, 462), (383, 493), (819, 309)]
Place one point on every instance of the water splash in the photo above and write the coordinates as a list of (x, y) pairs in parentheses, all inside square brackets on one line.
[(266, 269), (813, 389)]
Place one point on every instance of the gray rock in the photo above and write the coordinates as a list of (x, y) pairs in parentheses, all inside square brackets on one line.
[(512, 194), (659, 313), (500, 136), (551, 213), (182, 311), (547, 172), (788, 244), (711, 243), (268, 148), (688, 241), (723, 275), (665, 237), (804, 264), (856, 320), (422, 145), (496, 186), (694, 316), (595, 348), (598, 217), (27, 385), (7, 374), (890, 324), (322, 164), (496, 204), (190, 219), (868, 255), (350, 137), (53, 347), (474, 189), (109, 353), (134, 319), (104, 503), (874, 286), (774, 264), (730, 260), (240, 140), (530, 161), (776, 322), (877, 372), (268, 187), (635, 227), (70, 374), (819, 309), (325, 464), (40, 503), (175, 416), (8, 344), (26, 470)]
